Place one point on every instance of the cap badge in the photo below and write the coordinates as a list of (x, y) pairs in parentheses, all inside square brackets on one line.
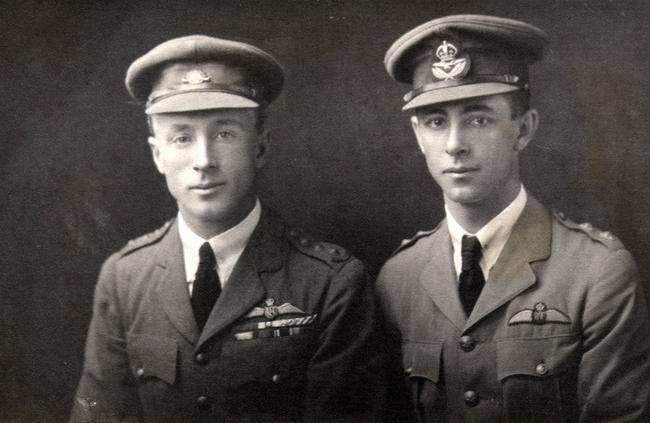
[(196, 76), (449, 67)]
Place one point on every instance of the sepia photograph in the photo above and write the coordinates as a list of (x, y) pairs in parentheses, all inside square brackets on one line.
[(328, 211)]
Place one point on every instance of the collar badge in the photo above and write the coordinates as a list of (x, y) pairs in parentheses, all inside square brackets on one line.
[(449, 67), (196, 76)]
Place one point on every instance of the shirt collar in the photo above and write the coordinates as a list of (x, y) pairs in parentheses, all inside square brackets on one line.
[(493, 236), (227, 246)]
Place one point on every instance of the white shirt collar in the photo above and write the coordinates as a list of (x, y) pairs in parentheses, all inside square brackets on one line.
[(493, 236), (227, 246)]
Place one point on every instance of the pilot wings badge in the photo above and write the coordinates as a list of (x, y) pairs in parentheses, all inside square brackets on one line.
[(538, 315), (449, 67)]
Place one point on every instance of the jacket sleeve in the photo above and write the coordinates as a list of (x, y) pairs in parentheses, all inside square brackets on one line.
[(106, 389), (615, 370), (345, 379)]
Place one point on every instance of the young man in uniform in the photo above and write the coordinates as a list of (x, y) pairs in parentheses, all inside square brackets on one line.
[(506, 311), (224, 313)]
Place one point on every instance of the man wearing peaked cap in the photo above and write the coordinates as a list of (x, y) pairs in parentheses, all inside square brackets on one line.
[(506, 311), (224, 313)]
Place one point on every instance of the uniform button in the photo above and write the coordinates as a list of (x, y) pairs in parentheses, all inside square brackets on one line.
[(541, 369), (471, 398), (201, 358), (467, 344), (275, 378), (139, 372), (203, 402), (408, 371)]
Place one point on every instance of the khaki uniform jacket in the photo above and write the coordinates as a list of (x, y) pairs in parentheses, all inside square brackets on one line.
[(291, 338), (559, 333)]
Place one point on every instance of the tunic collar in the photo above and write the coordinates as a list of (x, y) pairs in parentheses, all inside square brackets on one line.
[(493, 236), (227, 246)]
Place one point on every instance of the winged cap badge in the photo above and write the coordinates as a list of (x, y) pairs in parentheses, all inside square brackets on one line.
[(449, 67), (538, 315), (196, 76)]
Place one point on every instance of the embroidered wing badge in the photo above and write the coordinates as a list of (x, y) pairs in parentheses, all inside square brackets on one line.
[(538, 315)]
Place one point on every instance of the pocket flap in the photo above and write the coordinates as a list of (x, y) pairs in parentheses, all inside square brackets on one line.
[(153, 356), (538, 357), (422, 359)]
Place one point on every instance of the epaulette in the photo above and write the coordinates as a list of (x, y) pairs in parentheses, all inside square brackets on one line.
[(144, 240), (332, 254), (408, 242), (604, 237)]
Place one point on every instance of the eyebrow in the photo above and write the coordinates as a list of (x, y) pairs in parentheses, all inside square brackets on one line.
[(226, 122), (477, 108)]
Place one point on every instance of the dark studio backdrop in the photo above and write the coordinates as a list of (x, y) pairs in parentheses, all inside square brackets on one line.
[(78, 180)]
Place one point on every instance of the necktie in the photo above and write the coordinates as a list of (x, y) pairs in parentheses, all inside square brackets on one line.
[(207, 286), (471, 277)]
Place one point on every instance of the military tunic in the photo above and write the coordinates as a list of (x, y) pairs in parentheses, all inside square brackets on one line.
[(559, 332), (291, 337)]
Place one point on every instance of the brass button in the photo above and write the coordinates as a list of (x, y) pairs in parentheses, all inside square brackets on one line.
[(275, 378), (201, 358), (139, 372), (471, 398), (467, 344), (541, 369), (203, 402)]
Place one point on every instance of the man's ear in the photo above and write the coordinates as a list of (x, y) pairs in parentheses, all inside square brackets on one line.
[(263, 141), (415, 124), (528, 123), (155, 153)]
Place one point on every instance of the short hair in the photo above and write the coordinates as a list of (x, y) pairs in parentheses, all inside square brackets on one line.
[(519, 102), (260, 121)]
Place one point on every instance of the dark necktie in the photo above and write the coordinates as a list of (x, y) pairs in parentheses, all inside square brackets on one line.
[(207, 286), (471, 279)]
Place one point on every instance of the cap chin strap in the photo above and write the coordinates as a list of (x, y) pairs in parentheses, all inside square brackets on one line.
[(247, 92), (505, 79)]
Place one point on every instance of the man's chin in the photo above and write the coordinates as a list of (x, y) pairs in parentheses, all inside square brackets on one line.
[(463, 197)]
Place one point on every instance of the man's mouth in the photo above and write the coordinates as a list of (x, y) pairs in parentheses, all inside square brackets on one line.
[(207, 187), (460, 170)]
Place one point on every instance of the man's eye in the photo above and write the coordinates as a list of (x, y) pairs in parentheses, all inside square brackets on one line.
[(225, 135), (479, 121), (435, 122), (181, 139)]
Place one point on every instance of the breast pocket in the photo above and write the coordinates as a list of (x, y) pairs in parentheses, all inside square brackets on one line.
[(422, 363), (538, 378), (266, 376), (153, 363)]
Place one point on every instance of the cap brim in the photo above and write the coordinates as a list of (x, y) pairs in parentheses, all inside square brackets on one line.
[(192, 101), (444, 95)]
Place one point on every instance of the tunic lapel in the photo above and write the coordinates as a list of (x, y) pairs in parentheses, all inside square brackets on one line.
[(245, 288), (439, 278), (529, 241), (172, 288)]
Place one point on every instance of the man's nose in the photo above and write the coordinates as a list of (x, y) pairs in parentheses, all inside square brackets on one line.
[(456, 144), (204, 156)]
